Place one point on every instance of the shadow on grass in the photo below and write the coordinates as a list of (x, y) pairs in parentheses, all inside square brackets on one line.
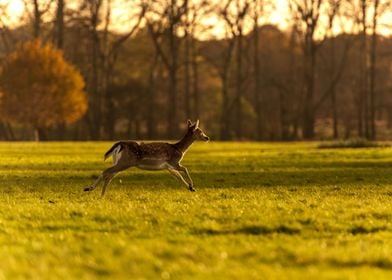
[(296, 261), (249, 230), (234, 179), (364, 230), (300, 161), (381, 263), (337, 263)]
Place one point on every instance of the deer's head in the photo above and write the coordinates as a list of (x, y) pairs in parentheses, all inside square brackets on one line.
[(196, 131)]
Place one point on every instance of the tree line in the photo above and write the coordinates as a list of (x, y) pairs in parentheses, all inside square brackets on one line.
[(327, 74)]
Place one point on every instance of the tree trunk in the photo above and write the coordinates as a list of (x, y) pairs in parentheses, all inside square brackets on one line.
[(187, 96), (333, 93), (362, 76), (172, 121), (110, 118), (172, 106), (195, 72), (238, 106), (308, 124), (296, 110), (364, 73), (224, 124), (36, 135), (59, 39), (3, 132), (137, 129), (10, 131), (257, 94), (334, 115), (308, 117), (37, 20), (39, 134), (373, 73), (360, 112), (96, 98), (283, 116), (347, 132), (310, 62), (151, 125)]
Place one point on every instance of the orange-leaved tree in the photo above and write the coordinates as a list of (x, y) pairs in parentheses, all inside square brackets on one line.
[(40, 88)]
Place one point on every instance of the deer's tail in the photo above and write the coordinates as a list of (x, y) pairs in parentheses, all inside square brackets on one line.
[(115, 149)]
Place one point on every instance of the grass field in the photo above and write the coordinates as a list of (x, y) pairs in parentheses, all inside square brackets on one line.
[(261, 211)]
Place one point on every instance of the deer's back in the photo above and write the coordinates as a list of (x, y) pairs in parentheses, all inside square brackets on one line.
[(153, 156), (160, 150)]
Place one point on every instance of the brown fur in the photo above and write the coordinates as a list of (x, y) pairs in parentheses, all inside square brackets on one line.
[(151, 156)]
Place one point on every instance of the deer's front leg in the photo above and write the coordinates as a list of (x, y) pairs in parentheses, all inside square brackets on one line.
[(177, 174), (184, 169)]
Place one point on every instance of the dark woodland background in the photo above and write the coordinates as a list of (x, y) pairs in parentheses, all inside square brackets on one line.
[(256, 82)]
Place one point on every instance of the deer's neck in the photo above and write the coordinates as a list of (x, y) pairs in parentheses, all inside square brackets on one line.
[(184, 144)]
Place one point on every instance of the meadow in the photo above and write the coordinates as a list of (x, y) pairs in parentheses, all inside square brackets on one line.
[(261, 211)]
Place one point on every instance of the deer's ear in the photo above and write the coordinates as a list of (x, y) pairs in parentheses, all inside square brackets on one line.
[(189, 123), (197, 124)]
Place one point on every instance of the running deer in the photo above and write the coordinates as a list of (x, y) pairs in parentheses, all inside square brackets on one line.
[(151, 156)]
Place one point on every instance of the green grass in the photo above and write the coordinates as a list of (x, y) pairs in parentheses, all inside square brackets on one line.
[(261, 211)]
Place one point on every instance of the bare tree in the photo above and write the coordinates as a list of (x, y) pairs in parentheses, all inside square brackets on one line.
[(333, 10), (109, 56), (6, 35), (104, 47), (91, 13), (219, 54), (163, 19), (235, 14), (379, 8), (308, 13), (197, 10), (36, 10), (365, 14)]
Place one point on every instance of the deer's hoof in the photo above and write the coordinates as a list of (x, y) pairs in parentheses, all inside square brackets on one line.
[(191, 189), (87, 189)]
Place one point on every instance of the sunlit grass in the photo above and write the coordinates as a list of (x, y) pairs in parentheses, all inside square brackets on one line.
[(263, 211)]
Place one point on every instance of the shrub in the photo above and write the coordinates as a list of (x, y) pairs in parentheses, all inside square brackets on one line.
[(40, 88)]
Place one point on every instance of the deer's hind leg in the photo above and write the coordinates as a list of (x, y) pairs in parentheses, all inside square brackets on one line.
[(94, 186), (120, 163), (109, 173)]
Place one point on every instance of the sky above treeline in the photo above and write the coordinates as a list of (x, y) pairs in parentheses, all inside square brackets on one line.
[(124, 13)]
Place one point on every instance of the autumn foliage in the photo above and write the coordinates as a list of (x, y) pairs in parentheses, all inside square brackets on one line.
[(40, 88)]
